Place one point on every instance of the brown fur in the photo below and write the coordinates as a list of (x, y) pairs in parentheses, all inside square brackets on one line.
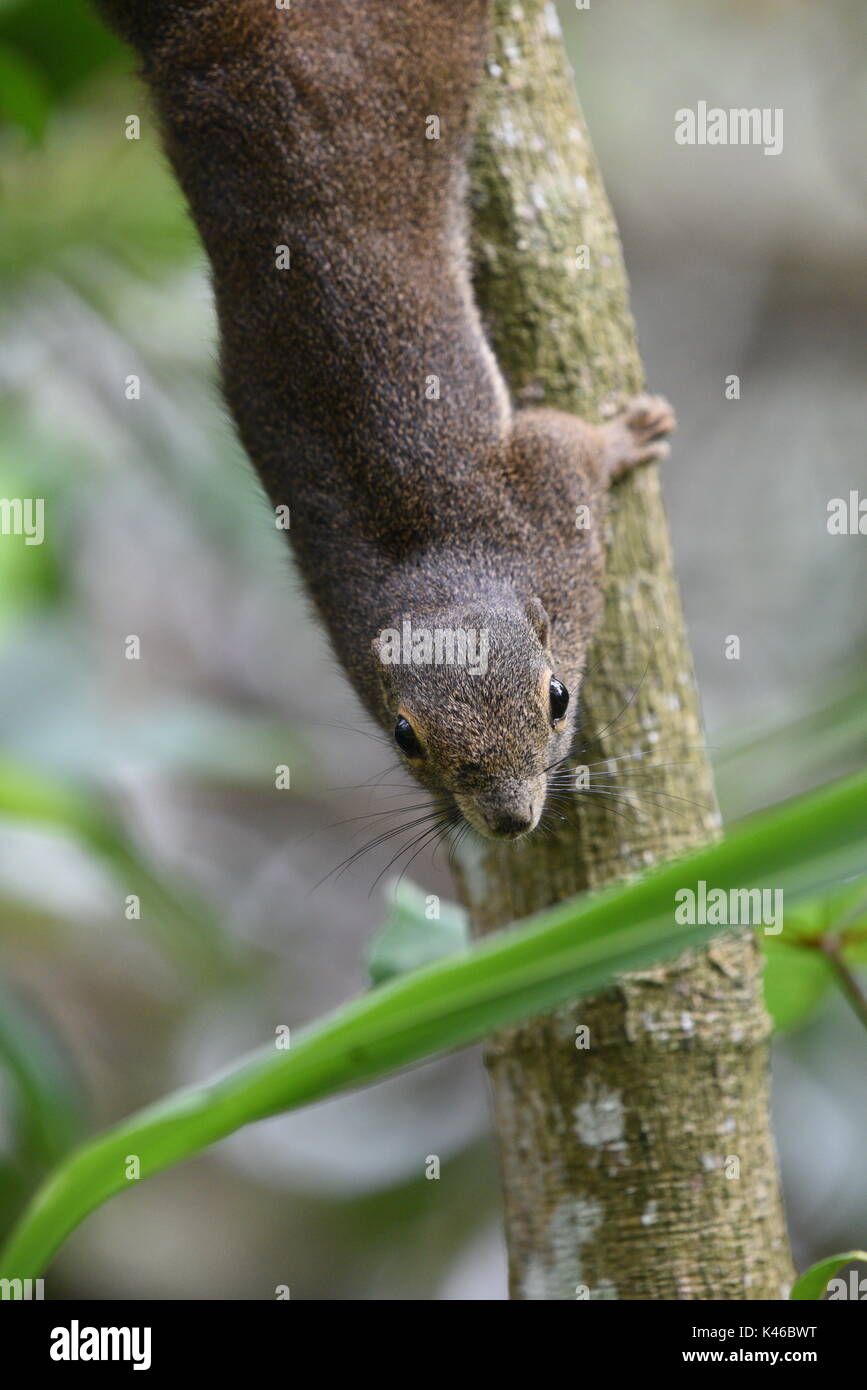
[(305, 128)]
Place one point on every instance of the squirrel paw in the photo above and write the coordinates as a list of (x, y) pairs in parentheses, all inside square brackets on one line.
[(638, 434)]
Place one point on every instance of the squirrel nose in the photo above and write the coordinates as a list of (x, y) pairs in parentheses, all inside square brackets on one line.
[(504, 810), (510, 824)]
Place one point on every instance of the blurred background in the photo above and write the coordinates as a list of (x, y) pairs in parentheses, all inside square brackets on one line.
[(154, 778)]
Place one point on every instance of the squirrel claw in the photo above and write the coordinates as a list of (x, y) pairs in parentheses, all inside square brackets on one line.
[(638, 434)]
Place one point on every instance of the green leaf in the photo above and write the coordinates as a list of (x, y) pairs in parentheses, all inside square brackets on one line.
[(42, 1099), (27, 795), (813, 1283), (570, 949), (796, 981), (23, 95), (798, 975), (67, 43), (48, 1103), (410, 939), (851, 922)]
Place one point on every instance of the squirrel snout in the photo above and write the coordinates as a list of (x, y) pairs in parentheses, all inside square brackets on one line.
[(508, 825), (506, 816)]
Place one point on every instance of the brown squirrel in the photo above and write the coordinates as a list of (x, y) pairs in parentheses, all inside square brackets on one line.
[(434, 526)]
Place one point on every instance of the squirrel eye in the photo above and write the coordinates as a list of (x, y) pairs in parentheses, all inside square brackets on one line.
[(405, 738), (559, 697)]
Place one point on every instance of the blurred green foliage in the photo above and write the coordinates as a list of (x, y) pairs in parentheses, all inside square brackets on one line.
[(59, 71), (413, 935), (798, 971), (63, 45), (90, 219), (43, 1105)]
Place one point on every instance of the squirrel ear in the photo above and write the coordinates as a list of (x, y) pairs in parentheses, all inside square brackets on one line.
[(538, 618)]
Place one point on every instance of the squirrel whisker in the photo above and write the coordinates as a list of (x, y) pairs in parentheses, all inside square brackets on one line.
[(377, 840), (435, 832)]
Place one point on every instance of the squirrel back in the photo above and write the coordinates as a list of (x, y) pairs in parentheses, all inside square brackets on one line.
[(323, 152)]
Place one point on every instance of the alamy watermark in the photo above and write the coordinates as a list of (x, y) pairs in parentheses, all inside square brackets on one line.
[(77, 1343), (438, 646), (25, 1290), (739, 125), (847, 516), (23, 516), (735, 907)]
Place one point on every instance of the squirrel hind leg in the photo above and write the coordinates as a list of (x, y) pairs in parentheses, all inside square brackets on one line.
[(637, 434)]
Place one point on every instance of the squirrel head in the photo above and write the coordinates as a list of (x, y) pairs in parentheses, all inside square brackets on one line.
[(477, 711)]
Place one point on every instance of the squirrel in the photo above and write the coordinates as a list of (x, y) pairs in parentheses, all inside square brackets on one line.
[(435, 530)]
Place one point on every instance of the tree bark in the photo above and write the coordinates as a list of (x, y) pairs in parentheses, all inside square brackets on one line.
[(642, 1165)]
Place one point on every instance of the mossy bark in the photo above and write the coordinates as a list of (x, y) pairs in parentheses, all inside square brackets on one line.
[(641, 1165)]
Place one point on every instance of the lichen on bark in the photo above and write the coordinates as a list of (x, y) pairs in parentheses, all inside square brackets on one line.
[(641, 1166)]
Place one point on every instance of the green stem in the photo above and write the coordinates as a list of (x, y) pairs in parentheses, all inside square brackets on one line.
[(832, 949)]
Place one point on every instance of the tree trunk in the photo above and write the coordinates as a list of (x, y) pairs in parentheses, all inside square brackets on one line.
[(642, 1164)]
